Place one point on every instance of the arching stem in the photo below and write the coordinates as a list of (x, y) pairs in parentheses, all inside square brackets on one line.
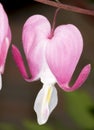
[(67, 7)]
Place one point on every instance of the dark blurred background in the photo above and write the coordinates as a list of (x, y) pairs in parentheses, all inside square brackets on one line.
[(74, 110)]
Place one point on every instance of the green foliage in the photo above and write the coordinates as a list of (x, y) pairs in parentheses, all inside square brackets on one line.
[(6, 126), (81, 108), (28, 125), (91, 1), (25, 125)]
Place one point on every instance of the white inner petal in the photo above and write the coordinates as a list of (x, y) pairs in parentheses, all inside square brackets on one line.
[(45, 102), (46, 75), (0, 81)]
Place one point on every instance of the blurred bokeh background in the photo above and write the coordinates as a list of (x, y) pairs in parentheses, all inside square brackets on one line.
[(75, 110)]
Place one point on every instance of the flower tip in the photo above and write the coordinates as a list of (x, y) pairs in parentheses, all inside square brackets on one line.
[(88, 67), (45, 103), (41, 122), (42, 118), (1, 7), (15, 51), (13, 48)]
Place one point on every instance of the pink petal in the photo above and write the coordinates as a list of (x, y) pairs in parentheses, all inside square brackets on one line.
[(19, 61), (63, 52), (35, 32), (3, 24), (5, 37), (80, 80), (4, 50), (3, 54)]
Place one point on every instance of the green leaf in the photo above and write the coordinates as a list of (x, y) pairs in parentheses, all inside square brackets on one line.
[(81, 108)]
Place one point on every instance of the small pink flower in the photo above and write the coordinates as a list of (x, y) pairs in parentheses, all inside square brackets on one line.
[(5, 39), (52, 59)]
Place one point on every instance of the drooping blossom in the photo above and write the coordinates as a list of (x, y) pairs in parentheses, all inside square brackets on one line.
[(52, 58), (5, 39)]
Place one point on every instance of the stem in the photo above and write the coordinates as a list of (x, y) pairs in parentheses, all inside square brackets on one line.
[(67, 7), (57, 0), (53, 24)]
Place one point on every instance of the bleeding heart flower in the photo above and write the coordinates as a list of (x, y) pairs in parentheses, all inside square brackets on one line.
[(5, 39), (52, 58)]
